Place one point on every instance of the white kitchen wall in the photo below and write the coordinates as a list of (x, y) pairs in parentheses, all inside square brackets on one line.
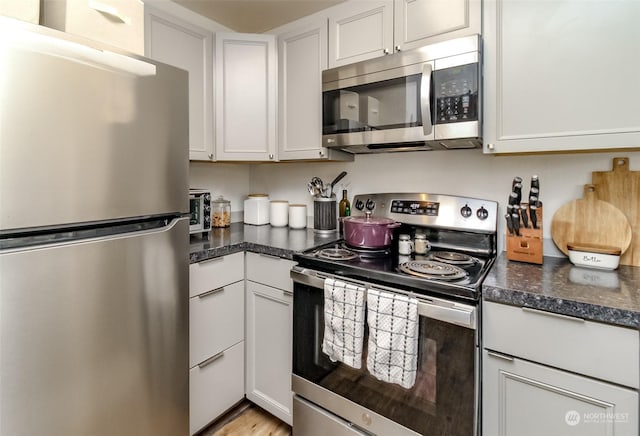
[(458, 172), (229, 180)]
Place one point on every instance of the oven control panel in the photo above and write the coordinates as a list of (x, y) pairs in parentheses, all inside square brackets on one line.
[(432, 210)]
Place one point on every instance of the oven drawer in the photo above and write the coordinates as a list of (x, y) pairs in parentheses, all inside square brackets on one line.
[(216, 272), (311, 420), (585, 347)]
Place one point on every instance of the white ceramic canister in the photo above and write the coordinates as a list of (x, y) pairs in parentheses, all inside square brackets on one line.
[(256, 209), (297, 216), (279, 213)]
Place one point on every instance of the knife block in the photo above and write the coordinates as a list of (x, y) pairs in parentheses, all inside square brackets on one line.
[(528, 246)]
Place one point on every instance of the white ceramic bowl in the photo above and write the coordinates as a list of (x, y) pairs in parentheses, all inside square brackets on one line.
[(594, 256)]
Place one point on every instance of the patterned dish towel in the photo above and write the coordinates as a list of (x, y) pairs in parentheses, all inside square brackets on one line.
[(343, 322), (393, 337)]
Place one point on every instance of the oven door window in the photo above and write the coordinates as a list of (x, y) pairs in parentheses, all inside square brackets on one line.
[(442, 400), (388, 104)]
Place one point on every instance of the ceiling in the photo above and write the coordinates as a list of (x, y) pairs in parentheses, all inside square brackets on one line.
[(255, 16)]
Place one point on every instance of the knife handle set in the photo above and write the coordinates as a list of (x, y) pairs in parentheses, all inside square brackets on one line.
[(524, 223)]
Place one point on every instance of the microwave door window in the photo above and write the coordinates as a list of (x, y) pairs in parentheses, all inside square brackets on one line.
[(388, 104), (195, 211)]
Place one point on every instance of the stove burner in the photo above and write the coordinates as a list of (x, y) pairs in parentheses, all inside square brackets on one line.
[(336, 254), (366, 252), (452, 258), (432, 270)]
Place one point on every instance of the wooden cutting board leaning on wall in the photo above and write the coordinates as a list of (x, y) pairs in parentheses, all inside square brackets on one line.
[(621, 188), (588, 221)]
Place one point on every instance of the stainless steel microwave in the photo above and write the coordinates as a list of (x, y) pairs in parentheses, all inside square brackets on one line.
[(422, 99)]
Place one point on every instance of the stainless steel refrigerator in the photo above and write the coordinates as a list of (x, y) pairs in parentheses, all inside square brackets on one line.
[(93, 239)]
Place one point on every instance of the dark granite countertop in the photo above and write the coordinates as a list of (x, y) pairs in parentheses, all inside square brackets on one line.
[(558, 286), (276, 241)]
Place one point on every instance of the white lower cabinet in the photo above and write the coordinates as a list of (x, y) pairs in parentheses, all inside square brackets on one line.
[(215, 385), (550, 374), (216, 338), (269, 314)]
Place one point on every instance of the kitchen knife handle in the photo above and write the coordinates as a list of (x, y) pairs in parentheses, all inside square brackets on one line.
[(509, 223), (515, 218), (523, 214), (533, 214)]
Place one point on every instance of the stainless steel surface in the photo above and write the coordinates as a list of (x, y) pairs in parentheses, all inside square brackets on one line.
[(443, 310), (430, 135), (311, 420), (210, 360), (366, 419), (86, 132), (449, 211), (94, 336)]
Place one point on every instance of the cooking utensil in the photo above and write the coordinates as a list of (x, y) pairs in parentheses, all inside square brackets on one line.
[(590, 221), (312, 189), (368, 231), (338, 178), (621, 187)]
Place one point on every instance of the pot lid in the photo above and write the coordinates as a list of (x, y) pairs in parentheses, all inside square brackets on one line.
[(369, 220)]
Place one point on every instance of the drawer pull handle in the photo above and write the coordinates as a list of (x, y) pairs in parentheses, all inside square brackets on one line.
[(210, 360), (287, 293), (211, 292), (109, 11), (551, 314), (270, 256), (213, 259), (500, 356)]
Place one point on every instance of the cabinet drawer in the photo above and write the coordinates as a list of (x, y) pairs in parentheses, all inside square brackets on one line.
[(216, 321), (270, 270), (213, 273), (115, 22), (215, 387), (585, 347)]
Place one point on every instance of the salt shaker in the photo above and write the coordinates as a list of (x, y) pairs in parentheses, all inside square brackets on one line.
[(405, 246)]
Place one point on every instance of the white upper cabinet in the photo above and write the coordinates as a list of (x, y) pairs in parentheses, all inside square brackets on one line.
[(360, 30), (116, 22), (245, 95), (190, 47), (25, 10), (561, 75), (302, 55)]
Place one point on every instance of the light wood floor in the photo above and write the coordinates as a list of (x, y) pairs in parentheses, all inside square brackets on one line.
[(247, 419)]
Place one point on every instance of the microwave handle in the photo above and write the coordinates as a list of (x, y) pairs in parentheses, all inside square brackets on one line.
[(425, 98)]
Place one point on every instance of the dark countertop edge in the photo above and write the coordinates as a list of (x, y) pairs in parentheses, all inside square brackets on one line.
[(224, 250), (586, 311)]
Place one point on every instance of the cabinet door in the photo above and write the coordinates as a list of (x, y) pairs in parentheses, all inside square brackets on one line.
[(246, 84), (422, 22), (559, 75), (359, 31), (189, 47), (521, 398), (269, 337)]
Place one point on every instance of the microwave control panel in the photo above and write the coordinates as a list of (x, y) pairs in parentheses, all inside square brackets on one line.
[(456, 94)]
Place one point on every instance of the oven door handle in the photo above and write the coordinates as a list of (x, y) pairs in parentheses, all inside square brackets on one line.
[(447, 311)]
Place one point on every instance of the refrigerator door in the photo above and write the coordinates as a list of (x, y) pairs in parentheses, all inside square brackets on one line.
[(86, 133), (94, 336)]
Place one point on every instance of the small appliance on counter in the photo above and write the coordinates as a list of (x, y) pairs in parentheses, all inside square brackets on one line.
[(200, 212), (256, 209)]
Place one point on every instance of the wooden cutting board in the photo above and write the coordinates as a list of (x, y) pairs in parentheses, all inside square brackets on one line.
[(589, 221), (621, 188)]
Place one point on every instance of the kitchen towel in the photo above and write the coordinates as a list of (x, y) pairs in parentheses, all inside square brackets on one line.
[(343, 322), (393, 337)]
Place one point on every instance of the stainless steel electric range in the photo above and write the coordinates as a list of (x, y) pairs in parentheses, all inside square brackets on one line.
[(332, 397)]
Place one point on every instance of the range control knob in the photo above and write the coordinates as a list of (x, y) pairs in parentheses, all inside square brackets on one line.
[(370, 204), (359, 204), (482, 213), (466, 211)]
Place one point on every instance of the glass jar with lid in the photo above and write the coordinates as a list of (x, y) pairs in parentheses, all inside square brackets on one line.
[(220, 212)]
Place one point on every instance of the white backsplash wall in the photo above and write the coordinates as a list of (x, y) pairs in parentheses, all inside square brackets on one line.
[(229, 180), (457, 172)]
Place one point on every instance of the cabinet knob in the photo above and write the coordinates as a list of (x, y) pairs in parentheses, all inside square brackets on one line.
[(398, 48), (385, 51), (210, 156), (321, 153), (270, 156), (490, 147)]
